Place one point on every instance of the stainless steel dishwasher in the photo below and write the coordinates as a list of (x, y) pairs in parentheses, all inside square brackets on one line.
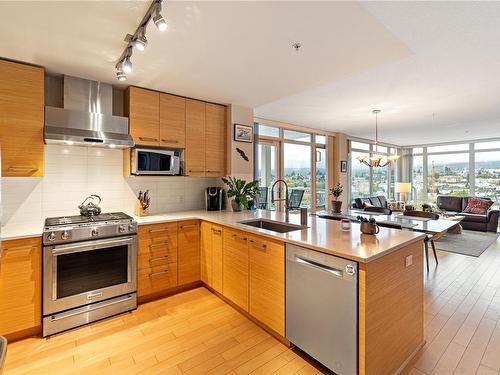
[(322, 307)]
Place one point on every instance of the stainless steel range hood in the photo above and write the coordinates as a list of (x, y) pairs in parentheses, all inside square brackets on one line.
[(86, 118)]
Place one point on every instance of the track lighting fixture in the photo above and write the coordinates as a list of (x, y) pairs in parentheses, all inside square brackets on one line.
[(138, 39)]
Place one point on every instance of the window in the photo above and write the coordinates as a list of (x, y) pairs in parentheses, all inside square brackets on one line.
[(360, 146), (296, 136), (448, 174), (360, 176), (487, 145), (297, 157), (297, 170), (487, 175), (418, 180), (448, 148)]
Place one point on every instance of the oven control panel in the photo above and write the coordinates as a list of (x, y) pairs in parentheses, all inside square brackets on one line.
[(88, 231)]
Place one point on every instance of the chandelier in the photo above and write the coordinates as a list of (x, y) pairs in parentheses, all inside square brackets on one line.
[(377, 160)]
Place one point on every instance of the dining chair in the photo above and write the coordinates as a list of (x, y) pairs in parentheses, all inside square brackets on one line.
[(428, 238), (295, 199), (263, 193), (380, 210)]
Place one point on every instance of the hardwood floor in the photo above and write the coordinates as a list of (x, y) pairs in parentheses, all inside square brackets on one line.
[(196, 333)]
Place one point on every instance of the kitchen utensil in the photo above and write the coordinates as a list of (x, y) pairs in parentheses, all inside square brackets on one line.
[(90, 208)]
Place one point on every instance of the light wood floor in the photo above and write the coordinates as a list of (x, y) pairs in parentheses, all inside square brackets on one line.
[(196, 333)]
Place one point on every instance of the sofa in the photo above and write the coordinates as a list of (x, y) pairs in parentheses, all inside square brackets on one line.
[(378, 201), (455, 205)]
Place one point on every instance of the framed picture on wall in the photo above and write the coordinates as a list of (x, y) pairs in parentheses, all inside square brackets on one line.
[(343, 166), (243, 133)]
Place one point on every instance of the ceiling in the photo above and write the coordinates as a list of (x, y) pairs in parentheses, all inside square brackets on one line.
[(431, 67)]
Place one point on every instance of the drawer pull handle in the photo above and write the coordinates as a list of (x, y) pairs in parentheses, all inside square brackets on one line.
[(170, 141), (216, 231), (189, 226), (158, 230), (257, 245), (158, 273), (22, 168), (157, 259), (196, 171), (214, 171), (235, 236), (148, 139), (158, 244)]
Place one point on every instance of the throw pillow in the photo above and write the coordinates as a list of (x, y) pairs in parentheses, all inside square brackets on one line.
[(367, 205), (478, 206)]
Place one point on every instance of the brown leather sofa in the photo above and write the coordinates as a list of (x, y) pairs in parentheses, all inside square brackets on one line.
[(484, 223), (378, 201)]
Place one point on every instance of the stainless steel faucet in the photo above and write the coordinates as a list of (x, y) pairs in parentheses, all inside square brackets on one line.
[(287, 204)]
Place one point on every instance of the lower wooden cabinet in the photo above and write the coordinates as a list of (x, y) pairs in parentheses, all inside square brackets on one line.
[(188, 248), (211, 255), (267, 282), (20, 286), (235, 267), (157, 258)]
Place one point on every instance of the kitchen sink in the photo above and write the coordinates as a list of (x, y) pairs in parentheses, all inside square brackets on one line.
[(275, 226)]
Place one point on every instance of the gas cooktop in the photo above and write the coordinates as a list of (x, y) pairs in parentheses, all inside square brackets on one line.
[(78, 219)]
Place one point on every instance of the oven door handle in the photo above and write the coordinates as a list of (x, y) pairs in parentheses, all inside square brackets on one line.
[(76, 248)]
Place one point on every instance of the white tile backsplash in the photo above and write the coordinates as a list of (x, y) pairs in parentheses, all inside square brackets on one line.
[(72, 173)]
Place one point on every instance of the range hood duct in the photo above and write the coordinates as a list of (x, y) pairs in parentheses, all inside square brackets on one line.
[(86, 118)]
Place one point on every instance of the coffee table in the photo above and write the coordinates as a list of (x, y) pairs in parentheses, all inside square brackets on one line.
[(456, 229)]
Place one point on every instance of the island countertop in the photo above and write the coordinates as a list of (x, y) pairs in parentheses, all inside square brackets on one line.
[(321, 234)]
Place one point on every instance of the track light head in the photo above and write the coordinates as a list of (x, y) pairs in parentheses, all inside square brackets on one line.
[(160, 22), (140, 42), (127, 65), (121, 76)]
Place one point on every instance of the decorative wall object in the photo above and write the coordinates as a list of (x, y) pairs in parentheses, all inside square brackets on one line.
[(242, 154), (343, 166), (243, 133)]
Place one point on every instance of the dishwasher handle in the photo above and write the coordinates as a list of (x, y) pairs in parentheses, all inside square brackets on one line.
[(319, 266)]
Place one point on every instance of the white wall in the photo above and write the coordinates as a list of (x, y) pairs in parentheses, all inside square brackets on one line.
[(237, 165), (72, 173)]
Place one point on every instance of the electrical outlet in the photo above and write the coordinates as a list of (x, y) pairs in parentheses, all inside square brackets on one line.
[(409, 260)]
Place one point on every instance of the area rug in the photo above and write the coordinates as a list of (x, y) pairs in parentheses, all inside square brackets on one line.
[(467, 243)]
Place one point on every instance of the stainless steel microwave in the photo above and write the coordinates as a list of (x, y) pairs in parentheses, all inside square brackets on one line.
[(145, 161)]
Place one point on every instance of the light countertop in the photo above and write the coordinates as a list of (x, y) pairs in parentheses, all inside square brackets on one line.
[(322, 234)]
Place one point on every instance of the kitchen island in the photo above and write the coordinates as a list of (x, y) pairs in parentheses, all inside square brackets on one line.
[(390, 273)]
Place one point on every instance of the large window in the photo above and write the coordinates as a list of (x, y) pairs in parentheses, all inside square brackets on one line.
[(366, 181), (297, 157), (459, 169)]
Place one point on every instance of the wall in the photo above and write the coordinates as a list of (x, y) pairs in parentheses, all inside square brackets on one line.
[(339, 153), (72, 173), (237, 166)]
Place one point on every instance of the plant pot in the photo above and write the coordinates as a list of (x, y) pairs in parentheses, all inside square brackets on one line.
[(236, 206), (336, 206)]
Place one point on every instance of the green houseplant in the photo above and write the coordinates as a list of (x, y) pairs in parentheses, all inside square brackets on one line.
[(241, 191), (336, 191)]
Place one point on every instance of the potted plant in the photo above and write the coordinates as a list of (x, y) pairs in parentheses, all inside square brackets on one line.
[(241, 191), (336, 191)]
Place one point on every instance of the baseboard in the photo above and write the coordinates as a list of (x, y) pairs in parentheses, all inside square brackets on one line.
[(24, 334), (168, 292)]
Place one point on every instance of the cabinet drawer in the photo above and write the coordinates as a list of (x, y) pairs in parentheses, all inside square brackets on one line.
[(156, 279), (158, 238), (154, 259)]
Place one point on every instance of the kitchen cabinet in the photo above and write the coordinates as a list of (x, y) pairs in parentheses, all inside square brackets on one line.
[(157, 258), (267, 282), (235, 267), (188, 246), (172, 121), (211, 255), (195, 138), (215, 134), (143, 107), (21, 119), (20, 287)]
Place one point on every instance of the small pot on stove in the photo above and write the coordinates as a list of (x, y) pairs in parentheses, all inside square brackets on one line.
[(88, 208)]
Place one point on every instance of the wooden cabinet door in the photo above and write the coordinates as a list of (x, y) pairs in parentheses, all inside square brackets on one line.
[(235, 267), (215, 133), (20, 285), (188, 251), (144, 116), (267, 282), (217, 258), (21, 119), (195, 138), (172, 121), (206, 253)]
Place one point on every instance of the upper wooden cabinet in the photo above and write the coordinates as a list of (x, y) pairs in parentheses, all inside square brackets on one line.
[(21, 119), (144, 115), (20, 286), (195, 138), (215, 134), (172, 121)]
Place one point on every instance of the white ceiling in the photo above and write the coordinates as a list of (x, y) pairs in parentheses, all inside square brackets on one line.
[(431, 67)]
